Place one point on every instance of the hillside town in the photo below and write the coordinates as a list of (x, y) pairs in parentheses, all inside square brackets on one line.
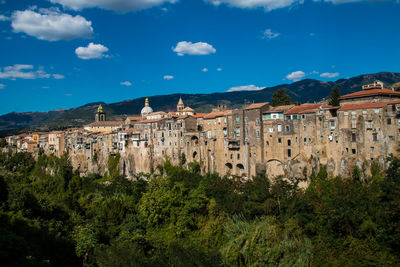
[(290, 140)]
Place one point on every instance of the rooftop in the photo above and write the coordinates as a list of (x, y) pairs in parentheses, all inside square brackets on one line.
[(256, 105), (368, 105), (304, 108), (371, 92)]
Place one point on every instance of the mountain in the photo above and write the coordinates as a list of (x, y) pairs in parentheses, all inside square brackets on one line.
[(308, 90)]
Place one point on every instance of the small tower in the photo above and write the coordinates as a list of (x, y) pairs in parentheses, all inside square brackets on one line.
[(180, 106), (100, 114)]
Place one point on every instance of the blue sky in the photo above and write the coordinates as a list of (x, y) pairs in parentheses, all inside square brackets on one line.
[(66, 53)]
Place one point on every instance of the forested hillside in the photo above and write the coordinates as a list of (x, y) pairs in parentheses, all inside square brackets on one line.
[(50, 216)]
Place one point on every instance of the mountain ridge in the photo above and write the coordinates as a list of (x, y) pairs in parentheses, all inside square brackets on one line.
[(299, 91)]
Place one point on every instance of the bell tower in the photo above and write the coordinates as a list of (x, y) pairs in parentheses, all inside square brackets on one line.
[(100, 114), (180, 106)]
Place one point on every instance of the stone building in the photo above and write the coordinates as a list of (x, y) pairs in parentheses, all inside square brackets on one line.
[(290, 140)]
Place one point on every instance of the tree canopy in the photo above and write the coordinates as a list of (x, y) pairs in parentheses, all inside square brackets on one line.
[(334, 98), (280, 98), (52, 216)]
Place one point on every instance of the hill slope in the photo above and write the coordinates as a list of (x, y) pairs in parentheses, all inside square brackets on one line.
[(307, 90)]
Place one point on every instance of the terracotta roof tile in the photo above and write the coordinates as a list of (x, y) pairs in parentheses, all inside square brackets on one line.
[(368, 105), (256, 105), (216, 114), (199, 115), (302, 108), (134, 118), (280, 108), (371, 92)]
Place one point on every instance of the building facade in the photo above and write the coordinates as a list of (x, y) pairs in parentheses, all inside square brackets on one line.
[(290, 140)]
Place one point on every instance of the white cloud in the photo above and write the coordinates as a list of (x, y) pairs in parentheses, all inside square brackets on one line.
[(23, 71), (126, 83), (329, 74), (250, 87), (58, 76), (91, 51), (168, 77), (268, 5), (116, 5), (219, 69), (2, 86), (204, 70), (268, 34), (189, 48), (51, 25), (4, 18), (296, 75)]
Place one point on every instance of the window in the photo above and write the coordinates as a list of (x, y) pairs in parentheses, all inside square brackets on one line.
[(345, 113), (353, 123), (289, 153), (219, 120), (303, 116), (237, 132), (170, 133), (374, 137), (225, 132), (353, 137), (208, 134), (389, 121), (322, 138), (279, 127), (279, 140), (238, 156), (287, 128), (246, 120), (225, 120), (257, 133), (271, 130), (305, 140), (257, 121), (294, 117), (353, 151), (289, 142), (267, 116), (372, 150), (377, 110), (237, 120), (391, 138), (369, 124), (246, 129), (231, 156), (333, 124)]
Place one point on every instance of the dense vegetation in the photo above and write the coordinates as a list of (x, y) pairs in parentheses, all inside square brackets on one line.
[(50, 216)]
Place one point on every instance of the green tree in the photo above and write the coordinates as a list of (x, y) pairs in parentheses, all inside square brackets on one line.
[(3, 142), (280, 98), (334, 98)]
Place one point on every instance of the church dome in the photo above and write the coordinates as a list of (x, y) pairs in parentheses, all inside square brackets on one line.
[(146, 109)]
